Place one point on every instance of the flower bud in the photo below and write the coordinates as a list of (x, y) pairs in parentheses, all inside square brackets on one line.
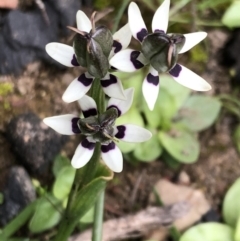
[(92, 50), (162, 50), (100, 127)]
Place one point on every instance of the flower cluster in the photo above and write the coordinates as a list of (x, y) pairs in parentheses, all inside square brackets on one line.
[(160, 51), (73, 56), (100, 128), (102, 53)]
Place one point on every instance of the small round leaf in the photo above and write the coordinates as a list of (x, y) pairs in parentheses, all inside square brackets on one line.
[(46, 216), (199, 112), (149, 150), (231, 207), (208, 232), (180, 144), (63, 182), (179, 92), (59, 163), (231, 17)]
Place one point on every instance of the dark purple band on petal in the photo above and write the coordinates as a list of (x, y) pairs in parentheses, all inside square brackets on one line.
[(113, 68), (75, 127), (87, 144), (107, 148), (153, 79), (107, 82), (84, 80), (74, 61), (121, 132), (89, 112), (114, 106), (133, 57), (176, 70), (142, 34), (117, 46)]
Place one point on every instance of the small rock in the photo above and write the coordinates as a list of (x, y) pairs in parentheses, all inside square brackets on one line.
[(171, 193), (18, 193), (34, 143), (183, 178), (23, 43)]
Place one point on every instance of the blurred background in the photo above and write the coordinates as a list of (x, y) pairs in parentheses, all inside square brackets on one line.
[(193, 155)]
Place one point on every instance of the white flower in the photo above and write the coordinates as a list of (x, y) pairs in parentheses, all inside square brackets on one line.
[(130, 60), (65, 55), (111, 154)]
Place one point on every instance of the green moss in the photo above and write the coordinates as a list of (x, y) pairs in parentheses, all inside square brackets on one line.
[(198, 54), (6, 105), (1, 198), (5, 89), (101, 4)]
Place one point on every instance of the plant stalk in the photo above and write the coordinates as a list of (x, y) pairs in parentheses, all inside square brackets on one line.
[(98, 218), (83, 175)]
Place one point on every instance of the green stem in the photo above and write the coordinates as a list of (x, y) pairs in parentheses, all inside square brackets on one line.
[(98, 218), (96, 92), (83, 175), (18, 221), (99, 97), (119, 15)]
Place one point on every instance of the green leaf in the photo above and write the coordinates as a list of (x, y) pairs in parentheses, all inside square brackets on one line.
[(166, 107), (88, 217), (180, 144), (88, 195), (153, 117), (237, 231), (212, 4), (1, 198), (236, 138), (58, 163), (133, 80), (231, 17), (208, 232), (170, 160), (46, 216), (179, 92), (15, 224), (20, 239), (199, 112), (231, 207), (63, 182), (149, 150), (131, 117)]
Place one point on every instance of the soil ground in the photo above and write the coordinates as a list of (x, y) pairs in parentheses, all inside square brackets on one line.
[(40, 88)]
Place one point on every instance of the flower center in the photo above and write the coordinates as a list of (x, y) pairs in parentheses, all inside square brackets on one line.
[(99, 128)]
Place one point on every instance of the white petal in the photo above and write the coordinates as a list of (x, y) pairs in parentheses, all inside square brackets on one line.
[(83, 154), (132, 133), (123, 36), (192, 39), (78, 88), (83, 22), (62, 53), (122, 105), (128, 60), (63, 124), (112, 156), (150, 87), (88, 106), (112, 87), (136, 23), (186, 77), (160, 18)]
